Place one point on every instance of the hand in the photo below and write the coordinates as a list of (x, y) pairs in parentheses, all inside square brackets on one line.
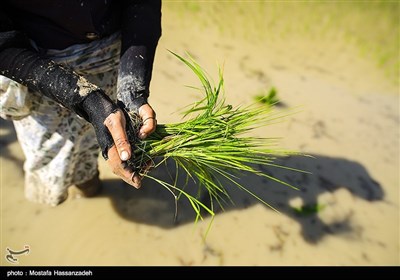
[(121, 151), (149, 120)]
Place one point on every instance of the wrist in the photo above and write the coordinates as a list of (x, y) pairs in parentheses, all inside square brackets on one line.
[(97, 106)]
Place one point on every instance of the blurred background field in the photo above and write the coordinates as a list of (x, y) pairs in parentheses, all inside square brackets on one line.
[(372, 27)]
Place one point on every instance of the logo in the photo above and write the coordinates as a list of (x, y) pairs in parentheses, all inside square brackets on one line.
[(11, 256)]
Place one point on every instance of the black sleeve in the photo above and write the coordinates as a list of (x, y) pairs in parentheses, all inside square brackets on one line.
[(9, 37), (19, 62), (140, 32)]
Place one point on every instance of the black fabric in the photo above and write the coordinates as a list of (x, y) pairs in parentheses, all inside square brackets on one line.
[(41, 74), (140, 32), (9, 36), (57, 24), (62, 85), (98, 107), (13, 39), (141, 23), (134, 77)]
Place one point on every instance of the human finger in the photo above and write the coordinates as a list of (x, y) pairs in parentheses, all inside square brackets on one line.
[(149, 121), (115, 123), (122, 169)]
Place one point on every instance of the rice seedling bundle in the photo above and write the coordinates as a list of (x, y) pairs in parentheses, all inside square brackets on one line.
[(209, 144)]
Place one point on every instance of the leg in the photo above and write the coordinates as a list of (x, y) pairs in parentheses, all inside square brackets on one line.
[(107, 82), (60, 150)]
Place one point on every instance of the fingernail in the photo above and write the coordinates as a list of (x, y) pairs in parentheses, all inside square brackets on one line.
[(142, 135), (124, 155), (136, 183)]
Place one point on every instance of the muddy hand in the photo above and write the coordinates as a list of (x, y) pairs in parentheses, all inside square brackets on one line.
[(121, 151), (149, 121)]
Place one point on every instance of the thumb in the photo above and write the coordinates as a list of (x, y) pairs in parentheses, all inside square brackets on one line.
[(115, 123)]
